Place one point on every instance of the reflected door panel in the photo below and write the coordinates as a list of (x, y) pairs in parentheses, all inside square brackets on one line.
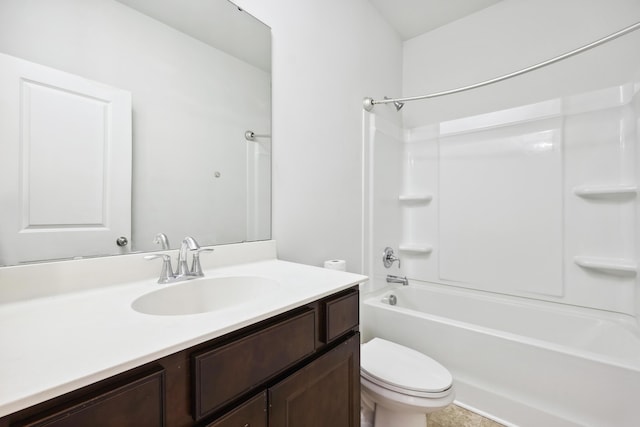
[(65, 164)]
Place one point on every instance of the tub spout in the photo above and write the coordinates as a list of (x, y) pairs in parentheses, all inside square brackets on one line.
[(397, 279)]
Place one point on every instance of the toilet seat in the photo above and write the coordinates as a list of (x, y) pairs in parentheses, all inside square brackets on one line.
[(403, 370)]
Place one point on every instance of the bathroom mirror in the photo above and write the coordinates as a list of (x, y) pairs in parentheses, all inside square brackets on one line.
[(188, 83)]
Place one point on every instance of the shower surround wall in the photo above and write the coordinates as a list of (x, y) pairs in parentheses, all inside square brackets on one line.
[(534, 201), (525, 187)]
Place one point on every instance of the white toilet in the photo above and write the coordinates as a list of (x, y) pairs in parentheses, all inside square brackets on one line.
[(401, 385)]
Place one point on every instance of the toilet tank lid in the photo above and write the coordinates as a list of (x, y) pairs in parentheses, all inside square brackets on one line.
[(403, 367)]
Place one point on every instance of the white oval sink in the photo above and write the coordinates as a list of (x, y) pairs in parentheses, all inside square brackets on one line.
[(205, 295)]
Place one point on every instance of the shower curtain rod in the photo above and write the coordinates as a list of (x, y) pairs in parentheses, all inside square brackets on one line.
[(251, 135), (369, 103)]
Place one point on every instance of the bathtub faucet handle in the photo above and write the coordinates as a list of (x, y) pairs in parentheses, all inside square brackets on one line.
[(389, 257)]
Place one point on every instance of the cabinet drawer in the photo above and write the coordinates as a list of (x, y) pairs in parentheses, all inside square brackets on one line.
[(138, 403), (253, 413), (232, 370), (341, 314)]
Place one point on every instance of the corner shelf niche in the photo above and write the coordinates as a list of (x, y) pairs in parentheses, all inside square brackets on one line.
[(415, 198), (593, 191), (415, 249), (626, 267)]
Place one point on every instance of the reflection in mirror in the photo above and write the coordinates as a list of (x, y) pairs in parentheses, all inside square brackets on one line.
[(128, 119)]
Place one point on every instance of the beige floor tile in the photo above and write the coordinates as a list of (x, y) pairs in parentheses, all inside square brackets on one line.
[(455, 416), (486, 422)]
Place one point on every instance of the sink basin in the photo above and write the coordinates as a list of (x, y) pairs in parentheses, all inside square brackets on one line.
[(206, 295)]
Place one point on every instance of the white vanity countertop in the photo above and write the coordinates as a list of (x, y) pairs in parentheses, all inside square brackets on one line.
[(56, 344)]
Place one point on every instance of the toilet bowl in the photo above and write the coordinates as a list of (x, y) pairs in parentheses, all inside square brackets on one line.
[(400, 386)]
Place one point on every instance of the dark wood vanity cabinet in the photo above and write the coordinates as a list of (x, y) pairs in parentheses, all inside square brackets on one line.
[(252, 413), (136, 403), (325, 393), (250, 360), (297, 369)]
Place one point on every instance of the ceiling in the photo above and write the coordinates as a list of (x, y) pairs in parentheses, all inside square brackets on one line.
[(411, 18)]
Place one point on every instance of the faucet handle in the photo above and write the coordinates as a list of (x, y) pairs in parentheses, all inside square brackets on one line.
[(166, 275), (196, 269), (389, 257)]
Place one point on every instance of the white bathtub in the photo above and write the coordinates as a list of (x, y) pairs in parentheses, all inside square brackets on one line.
[(524, 363)]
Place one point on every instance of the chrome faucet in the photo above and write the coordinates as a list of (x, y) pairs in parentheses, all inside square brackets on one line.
[(188, 243), (183, 271), (397, 279)]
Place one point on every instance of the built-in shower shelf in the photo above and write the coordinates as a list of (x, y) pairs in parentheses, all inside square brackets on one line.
[(605, 190), (415, 198), (615, 265), (416, 249)]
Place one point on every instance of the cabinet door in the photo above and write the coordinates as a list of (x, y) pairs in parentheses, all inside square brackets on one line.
[(324, 393), (253, 413)]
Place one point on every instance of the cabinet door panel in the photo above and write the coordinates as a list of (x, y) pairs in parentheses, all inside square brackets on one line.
[(53, 205), (253, 413), (324, 393), (139, 403), (230, 371)]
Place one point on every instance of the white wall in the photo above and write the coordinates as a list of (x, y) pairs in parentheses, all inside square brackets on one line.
[(511, 35), (327, 56), (181, 137)]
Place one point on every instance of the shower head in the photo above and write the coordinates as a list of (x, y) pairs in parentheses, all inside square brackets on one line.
[(397, 104)]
